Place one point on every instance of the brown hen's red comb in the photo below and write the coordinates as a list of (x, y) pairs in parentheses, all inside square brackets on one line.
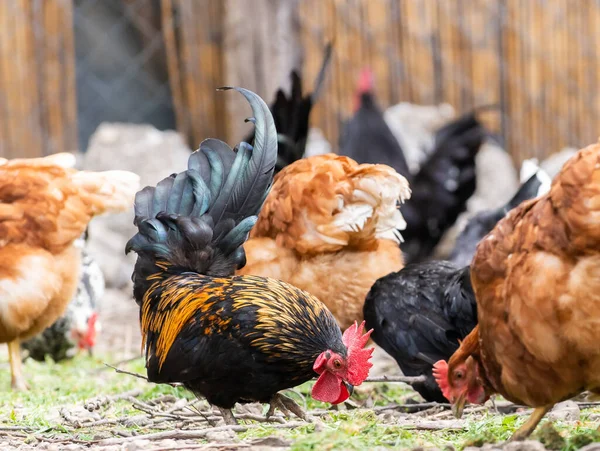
[(440, 373), (358, 357)]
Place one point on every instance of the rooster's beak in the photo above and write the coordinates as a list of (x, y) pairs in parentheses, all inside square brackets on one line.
[(349, 387), (459, 405)]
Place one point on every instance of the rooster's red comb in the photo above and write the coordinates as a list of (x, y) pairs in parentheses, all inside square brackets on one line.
[(440, 373), (365, 82), (358, 357)]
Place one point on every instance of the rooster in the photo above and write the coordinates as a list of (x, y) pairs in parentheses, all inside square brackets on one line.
[(45, 206), (444, 182), (329, 215), (536, 279), (366, 137), (231, 339)]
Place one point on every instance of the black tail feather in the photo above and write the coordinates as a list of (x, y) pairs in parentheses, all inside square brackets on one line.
[(292, 114), (197, 220), (528, 190)]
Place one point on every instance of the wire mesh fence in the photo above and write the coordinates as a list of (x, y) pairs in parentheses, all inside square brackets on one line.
[(68, 65)]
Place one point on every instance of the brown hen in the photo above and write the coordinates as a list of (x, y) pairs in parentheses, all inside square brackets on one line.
[(537, 281), (45, 205), (330, 227)]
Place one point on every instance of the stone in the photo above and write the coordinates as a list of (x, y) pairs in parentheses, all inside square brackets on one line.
[(565, 411), (414, 127), (146, 151)]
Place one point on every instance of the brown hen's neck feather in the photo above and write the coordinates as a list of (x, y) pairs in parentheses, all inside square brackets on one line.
[(468, 347)]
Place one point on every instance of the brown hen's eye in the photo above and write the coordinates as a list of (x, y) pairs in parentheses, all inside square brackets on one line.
[(458, 375), (337, 363)]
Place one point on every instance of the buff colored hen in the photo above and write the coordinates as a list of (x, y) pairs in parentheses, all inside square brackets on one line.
[(330, 227), (45, 205), (536, 278)]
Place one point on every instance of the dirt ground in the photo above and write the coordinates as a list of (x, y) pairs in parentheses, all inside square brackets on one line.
[(136, 416)]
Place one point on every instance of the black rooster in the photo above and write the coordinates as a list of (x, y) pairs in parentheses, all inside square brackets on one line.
[(443, 185), (292, 114), (366, 137), (230, 338), (418, 314)]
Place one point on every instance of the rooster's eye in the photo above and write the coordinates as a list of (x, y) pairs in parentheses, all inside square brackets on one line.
[(337, 363), (458, 375)]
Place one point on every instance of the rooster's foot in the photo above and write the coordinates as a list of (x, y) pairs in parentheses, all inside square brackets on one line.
[(287, 406), (228, 417)]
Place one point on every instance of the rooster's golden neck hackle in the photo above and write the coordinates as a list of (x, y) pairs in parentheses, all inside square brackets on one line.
[(230, 339)]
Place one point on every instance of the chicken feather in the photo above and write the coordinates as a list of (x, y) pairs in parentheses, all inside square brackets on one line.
[(536, 278), (45, 205), (329, 215)]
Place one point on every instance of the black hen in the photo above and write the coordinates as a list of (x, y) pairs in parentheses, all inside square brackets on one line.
[(366, 137), (442, 187), (418, 314), (230, 338), (483, 222), (292, 114)]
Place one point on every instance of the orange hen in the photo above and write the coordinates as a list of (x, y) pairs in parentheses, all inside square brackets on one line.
[(330, 227), (45, 205), (537, 281)]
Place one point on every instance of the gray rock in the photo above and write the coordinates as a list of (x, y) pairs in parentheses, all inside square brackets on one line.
[(226, 436), (565, 411), (150, 153), (529, 445), (137, 445), (316, 143), (591, 447), (271, 442), (554, 163), (414, 127)]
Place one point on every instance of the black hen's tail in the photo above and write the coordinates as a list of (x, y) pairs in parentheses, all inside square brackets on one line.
[(536, 185), (292, 114), (197, 220)]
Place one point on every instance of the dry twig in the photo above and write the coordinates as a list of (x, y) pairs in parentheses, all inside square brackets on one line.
[(192, 433), (404, 379)]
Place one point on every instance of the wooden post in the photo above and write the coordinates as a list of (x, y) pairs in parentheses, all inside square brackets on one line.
[(38, 111), (261, 47)]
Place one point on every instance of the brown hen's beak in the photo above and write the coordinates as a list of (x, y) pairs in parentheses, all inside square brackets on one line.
[(458, 406), (349, 387)]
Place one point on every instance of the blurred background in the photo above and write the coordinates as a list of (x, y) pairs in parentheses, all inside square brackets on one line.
[(131, 84), (67, 66)]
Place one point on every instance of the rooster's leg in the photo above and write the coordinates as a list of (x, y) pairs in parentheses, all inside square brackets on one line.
[(227, 415), (17, 380), (524, 431), (286, 405)]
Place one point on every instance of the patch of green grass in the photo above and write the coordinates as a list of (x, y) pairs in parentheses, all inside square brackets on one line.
[(69, 384)]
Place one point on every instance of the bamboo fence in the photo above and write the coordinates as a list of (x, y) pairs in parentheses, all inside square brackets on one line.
[(38, 112), (538, 59)]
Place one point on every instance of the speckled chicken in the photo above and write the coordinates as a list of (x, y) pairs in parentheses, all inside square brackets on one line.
[(78, 327)]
